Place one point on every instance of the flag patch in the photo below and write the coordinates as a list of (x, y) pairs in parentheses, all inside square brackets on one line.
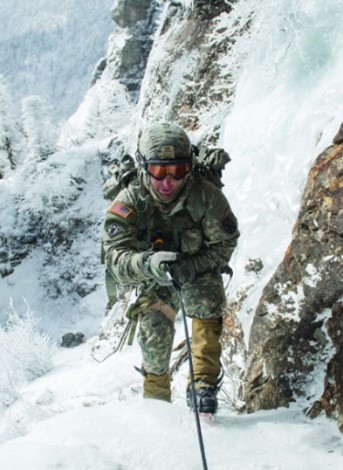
[(120, 209)]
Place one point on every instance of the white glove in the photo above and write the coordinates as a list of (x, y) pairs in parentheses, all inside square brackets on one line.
[(158, 265)]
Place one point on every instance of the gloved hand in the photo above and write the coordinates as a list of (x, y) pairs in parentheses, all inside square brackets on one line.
[(182, 271), (159, 265)]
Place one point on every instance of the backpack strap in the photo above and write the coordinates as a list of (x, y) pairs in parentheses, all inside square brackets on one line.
[(196, 200)]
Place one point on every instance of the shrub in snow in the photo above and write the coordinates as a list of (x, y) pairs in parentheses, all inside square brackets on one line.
[(25, 354)]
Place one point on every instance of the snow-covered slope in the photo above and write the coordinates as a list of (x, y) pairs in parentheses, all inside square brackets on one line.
[(86, 416)]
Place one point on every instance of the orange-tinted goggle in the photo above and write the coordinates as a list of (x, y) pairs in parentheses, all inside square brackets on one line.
[(177, 170)]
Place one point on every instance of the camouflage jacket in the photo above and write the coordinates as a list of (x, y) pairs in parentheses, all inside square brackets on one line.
[(201, 225)]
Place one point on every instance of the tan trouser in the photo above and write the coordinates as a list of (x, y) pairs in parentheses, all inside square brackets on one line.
[(206, 348), (157, 386)]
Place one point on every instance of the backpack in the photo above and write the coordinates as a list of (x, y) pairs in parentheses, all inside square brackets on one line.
[(209, 163), (122, 172)]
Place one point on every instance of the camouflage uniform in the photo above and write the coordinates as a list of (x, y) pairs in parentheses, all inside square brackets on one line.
[(199, 224)]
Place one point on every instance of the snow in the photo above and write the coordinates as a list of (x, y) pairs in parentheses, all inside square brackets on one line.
[(313, 277), (95, 418), (84, 415)]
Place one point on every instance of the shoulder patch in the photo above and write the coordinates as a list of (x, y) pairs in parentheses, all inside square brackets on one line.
[(113, 230), (120, 209)]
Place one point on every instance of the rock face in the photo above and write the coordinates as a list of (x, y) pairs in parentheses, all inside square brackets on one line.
[(130, 43), (296, 338), (188, 78), (186, 81), (126, 13)]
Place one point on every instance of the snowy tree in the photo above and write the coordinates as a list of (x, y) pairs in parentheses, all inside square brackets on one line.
[(40, 133), (109, 108), (8, 148), (105, 111)]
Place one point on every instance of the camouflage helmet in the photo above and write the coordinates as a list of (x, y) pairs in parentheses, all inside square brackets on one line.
[(163, 142)]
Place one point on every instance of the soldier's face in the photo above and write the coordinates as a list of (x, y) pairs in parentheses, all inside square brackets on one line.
[(166, 187)]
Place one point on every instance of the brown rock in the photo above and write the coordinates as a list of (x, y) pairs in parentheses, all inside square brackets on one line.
[(338, 139), (297, 328)]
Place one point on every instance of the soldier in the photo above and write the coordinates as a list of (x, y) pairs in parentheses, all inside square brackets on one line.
[(172, 219)]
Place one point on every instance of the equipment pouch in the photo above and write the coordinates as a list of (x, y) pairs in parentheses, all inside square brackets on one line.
[(191, 241)]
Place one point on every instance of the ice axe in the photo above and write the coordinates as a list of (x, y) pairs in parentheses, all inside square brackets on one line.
[(177, 288)]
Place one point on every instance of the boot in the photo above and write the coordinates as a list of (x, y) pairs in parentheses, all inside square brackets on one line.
[(206, 351), (157, 386), (205, 397)]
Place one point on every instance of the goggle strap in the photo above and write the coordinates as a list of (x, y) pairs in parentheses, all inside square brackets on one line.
[(144, 162), (167, 162)]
